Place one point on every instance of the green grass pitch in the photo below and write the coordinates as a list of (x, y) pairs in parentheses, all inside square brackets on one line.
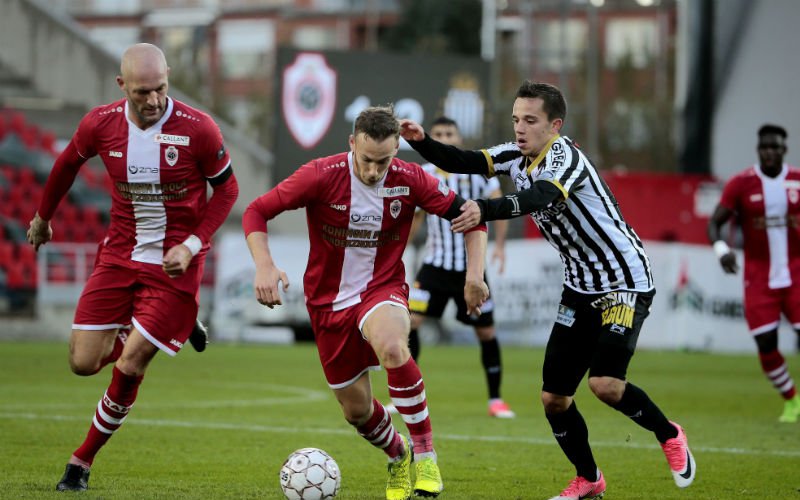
[(220, 424)]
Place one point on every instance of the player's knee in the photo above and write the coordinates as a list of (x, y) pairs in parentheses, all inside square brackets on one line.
[(607, 389), (394, 354), (84, 367), (767, 341), (484, 333), (554, 403)]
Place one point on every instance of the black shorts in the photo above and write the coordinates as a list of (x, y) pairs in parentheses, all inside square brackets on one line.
[(435, 286), (594, 332)]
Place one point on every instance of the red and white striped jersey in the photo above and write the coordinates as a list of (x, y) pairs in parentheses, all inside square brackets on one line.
[(768, 211), (159, 175), (357, 232)]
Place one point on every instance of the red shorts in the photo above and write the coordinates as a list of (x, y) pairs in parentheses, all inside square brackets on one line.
[(763, 306), (145, 296), (344, 352)]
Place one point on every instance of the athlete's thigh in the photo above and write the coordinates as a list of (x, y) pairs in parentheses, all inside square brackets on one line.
[(571, 345), (88, 347), (344, 353), (762, 306), (622, 315), (106, 302), (164, 315)]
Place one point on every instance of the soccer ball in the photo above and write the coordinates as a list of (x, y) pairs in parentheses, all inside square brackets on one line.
[(310, 474)]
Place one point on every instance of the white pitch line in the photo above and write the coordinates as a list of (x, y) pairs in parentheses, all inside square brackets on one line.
[(454, 437), (301, 396)]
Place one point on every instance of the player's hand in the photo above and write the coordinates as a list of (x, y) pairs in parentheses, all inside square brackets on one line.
[(476, 292), (411, 130), (728, 263), (469, 218), (499, 256), (177, 260), (39, 232), (266, 285)]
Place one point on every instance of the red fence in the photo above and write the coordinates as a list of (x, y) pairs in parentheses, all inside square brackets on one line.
[(661, 207)]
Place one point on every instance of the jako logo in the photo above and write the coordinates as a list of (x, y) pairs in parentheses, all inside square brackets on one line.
[(341, 208), (115, 154)]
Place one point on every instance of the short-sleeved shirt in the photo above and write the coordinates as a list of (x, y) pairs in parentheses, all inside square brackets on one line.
[(768, 211), (159, 176), (357, 232)]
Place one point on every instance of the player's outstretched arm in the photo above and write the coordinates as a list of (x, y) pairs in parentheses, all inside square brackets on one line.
[(448, 158), (537, 197), (726, 256)]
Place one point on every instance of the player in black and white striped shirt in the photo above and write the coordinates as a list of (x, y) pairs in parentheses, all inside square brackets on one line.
[(441, 277), (608, 286)]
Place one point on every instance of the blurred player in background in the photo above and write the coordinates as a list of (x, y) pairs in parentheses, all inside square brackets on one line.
[(608, 286), (359, 207), (765, 201), (441, 276), (160, 154)]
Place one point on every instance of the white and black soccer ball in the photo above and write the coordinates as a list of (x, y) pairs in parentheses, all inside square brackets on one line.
[(310, 474)]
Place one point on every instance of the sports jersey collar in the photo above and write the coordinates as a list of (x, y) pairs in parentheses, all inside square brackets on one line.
[(780, 176), (156, 126), (542, 153)]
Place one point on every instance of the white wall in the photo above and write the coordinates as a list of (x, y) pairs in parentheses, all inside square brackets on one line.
[(761, 87)]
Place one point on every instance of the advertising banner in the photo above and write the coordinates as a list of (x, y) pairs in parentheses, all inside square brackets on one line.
[(697, 306)]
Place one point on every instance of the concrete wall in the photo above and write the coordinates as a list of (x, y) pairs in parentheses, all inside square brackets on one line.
[(762, 86)]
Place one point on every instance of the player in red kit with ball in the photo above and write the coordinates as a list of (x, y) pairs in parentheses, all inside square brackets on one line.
[(359, 208)]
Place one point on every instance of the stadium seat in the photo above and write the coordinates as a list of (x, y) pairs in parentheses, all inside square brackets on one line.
[(6, 253)]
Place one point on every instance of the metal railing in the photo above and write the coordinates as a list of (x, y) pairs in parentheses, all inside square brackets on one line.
[(62, 270)]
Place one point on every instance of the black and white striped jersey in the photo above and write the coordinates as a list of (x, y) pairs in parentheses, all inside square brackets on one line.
[(600, 251), (444, 248)]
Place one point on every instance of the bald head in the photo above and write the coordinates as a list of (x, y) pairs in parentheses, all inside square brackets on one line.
[(144, 80), (142, 58)]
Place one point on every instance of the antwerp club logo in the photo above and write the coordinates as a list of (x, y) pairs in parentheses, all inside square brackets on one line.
[(308, 98)]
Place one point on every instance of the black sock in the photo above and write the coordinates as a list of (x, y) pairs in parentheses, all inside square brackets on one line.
[(572, 435), (490, 357), (413, 343), (637, 406)]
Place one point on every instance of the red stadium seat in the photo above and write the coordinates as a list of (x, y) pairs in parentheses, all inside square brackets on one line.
[(6, 253)]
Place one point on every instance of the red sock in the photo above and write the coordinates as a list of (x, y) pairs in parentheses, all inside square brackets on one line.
[(774, 367), (408, 395), (111, 412), (379, 431)]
